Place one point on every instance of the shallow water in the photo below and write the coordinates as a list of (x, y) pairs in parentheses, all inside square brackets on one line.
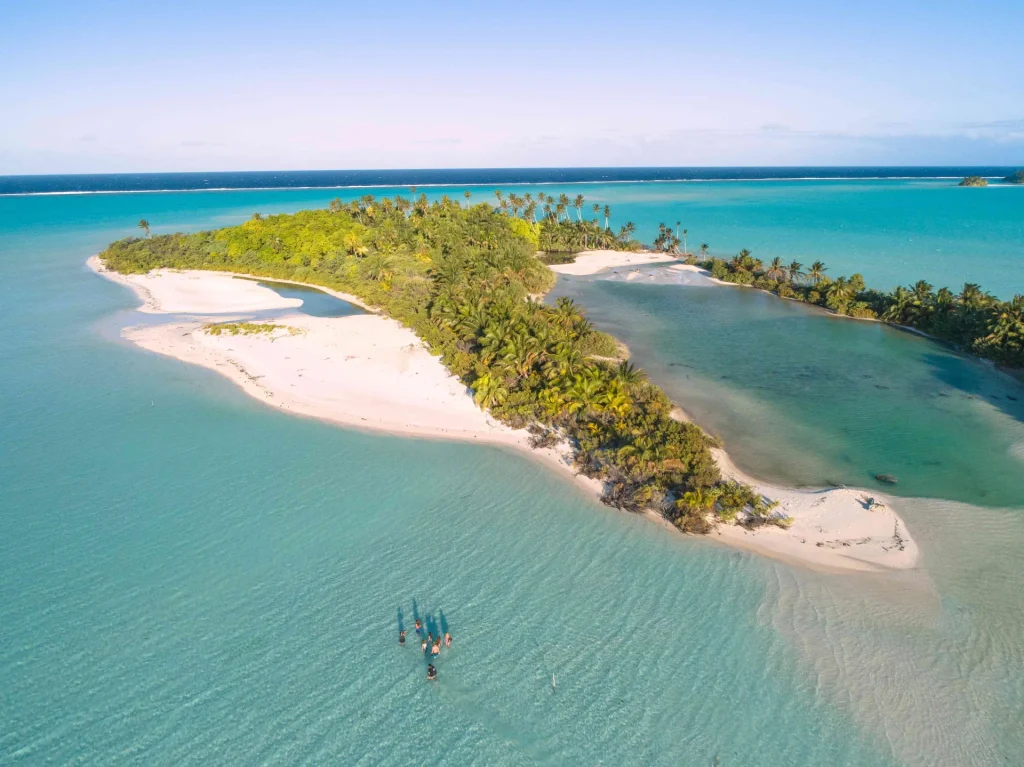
[(189, 576), (812, 399), (315, 302)]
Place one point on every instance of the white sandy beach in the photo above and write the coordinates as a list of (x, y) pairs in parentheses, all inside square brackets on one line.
[(368, 372), (363, 371), (594, 261), (832, 528)]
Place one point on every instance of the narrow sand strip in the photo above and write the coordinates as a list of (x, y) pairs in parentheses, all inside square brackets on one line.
[(594, 261), (369, 372)]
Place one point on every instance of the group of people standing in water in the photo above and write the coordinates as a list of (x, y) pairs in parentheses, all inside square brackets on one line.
[(428, 643)]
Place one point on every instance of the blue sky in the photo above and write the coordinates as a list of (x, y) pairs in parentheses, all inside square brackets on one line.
[(111, 87)]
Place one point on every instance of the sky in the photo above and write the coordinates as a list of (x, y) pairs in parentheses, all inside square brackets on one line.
[(130, 87)]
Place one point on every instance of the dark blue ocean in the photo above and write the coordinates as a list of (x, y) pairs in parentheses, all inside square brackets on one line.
[(280, 179)]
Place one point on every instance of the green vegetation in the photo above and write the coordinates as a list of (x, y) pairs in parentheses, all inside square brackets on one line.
[(465, 280), (971, 320), (558, 231), (246, 328), (1015, 178), (973, 181), (144, 226)]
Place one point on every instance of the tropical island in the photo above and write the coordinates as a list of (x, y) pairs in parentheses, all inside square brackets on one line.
[(974, 181), (1015, 178), (464, 283)]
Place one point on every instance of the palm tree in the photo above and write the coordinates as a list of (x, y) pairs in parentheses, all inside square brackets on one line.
[(923, 290), (685, 252), (701, 499), (467, 194), (776, 271), (607, 214), (704, 251), (900, 301), (566, 362), (839, 294), (578, 204), (378, 266), (615, 400), (567, 312), (144, 226), (973, 297), (584, 393), (796, 272), (1005, 341), (597, 211), (563, 200), (488, 391), (745, 261), (628, 374), (817, 272)]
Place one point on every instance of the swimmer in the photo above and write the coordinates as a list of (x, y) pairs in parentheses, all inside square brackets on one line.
[(431, 673), (423, 645), (447, 639), (436, 649), (419, 626), (401, 638)]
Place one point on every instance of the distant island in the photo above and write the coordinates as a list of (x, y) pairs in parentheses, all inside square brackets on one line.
[(1015, 178), (974, 181)]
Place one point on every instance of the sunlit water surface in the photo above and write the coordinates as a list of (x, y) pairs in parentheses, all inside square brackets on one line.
[(188, 576)]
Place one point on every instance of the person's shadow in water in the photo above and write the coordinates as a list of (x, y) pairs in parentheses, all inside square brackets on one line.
[(435, 627)]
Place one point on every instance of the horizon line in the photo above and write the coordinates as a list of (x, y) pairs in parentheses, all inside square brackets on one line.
[(509, 168)]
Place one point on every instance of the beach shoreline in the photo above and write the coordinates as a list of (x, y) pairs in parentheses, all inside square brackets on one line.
[(589, 262), (361, 371)]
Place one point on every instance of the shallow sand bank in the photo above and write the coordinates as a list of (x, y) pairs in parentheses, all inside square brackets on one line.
[(369, 372), (363, 371), (833, 528), (594, 261)]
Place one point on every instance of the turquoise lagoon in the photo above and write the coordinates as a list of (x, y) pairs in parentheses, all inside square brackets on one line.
[(188, 576)]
